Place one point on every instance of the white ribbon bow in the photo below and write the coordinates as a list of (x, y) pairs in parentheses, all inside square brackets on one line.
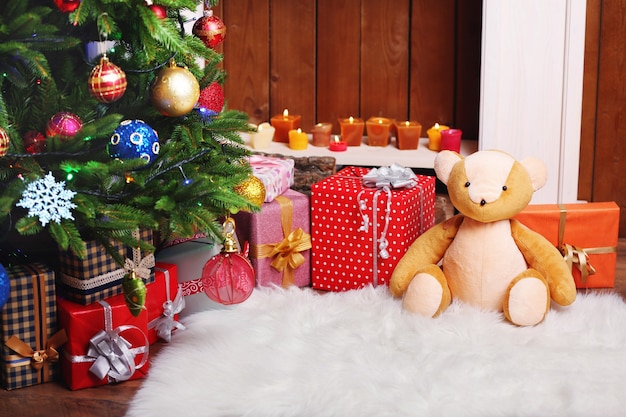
[(166, 323), (393, 176), (113, 356)]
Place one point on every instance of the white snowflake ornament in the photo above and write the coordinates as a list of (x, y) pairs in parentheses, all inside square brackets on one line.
[(48, 199)]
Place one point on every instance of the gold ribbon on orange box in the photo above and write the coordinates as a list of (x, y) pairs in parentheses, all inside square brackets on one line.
[(38, 358), (286, 253), (575, 255)]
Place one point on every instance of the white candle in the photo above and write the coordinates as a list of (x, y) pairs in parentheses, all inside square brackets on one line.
[(263, 137)]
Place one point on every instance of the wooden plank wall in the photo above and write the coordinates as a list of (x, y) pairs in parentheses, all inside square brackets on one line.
[(326, 59)]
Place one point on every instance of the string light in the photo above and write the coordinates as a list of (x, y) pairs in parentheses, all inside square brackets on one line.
[(186, 180)]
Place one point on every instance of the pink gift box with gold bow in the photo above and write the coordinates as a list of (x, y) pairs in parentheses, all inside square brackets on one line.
[(276, 174), (280, 240)]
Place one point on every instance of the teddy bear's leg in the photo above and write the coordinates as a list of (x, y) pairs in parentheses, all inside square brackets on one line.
[(428, 293), (527, 299)]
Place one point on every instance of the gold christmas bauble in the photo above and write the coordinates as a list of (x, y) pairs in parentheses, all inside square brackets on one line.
[(252, 190), (175, 91)]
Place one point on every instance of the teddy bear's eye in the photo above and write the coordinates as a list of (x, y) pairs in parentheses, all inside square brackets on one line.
[(504, 188), (467, 184)]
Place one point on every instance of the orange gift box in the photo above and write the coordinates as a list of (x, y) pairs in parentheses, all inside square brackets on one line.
[(586, 234)]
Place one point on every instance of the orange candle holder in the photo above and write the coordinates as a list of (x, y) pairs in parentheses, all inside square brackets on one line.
[(298, 140), (378, 131), (283, 123), (321, 134), (408, 134), (434, 136), (352, 130), (337, 145)]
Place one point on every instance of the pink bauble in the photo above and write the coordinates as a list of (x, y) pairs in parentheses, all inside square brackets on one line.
[(158, 10), (228, 278), (67, 6), (64, 124)]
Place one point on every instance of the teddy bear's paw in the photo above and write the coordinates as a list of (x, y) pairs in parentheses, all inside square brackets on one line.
[(528, 301), (427, 295)]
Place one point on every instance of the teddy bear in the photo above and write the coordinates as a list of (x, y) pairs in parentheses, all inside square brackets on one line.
[(483, 256)]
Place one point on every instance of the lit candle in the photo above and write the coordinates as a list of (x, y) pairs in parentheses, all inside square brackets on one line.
[(434, 136), (298, 140), (451, 140), (378, 131), (408, 134), (337, 145), (321, 134), (263, 137), (352, 130), (283, 123)]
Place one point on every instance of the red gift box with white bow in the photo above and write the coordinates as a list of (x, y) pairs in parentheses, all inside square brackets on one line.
[(105, 343), (363, 221)]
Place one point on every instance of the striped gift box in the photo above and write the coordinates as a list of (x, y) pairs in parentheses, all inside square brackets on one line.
[(98, 276), (28, 323)]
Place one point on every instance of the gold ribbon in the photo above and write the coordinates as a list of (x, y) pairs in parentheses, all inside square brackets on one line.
[(286, 253), (575, 255), (38, 358)]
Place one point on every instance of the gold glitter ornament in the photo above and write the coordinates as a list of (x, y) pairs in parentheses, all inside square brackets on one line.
[(252, 190), (175, 90)]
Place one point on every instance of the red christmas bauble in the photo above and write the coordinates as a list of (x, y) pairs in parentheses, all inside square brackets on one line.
[(107, 81), (158, 10), (228, 278), (4, 142), (212, 97), (67, 6), (210, 29), (64, 124), (34, 142)]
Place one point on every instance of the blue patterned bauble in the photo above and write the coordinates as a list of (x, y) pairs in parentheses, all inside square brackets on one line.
[(134, 139), (5, 286)]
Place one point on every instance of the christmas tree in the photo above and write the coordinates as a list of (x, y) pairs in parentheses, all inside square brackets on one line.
[(94, 146)]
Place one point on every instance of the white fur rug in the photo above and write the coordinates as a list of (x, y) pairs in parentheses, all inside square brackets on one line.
[(294, 353)]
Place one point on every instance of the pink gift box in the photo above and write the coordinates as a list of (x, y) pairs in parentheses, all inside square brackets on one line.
[(275, 173), (280, 240), (348, 221)]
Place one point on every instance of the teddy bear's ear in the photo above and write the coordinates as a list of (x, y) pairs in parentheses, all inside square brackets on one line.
[(444, 161), (537, 171)]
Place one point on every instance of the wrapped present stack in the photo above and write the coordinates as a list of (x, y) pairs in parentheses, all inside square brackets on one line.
[(76, 322)]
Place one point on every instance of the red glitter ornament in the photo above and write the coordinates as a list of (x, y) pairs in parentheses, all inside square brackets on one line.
[(212, 97), (34, 142), (4, 142), (210, 29), (107, 81), (228, 277), (64, 125), (67, 6)]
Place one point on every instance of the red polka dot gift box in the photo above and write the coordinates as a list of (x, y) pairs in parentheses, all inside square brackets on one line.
[(363, 221)]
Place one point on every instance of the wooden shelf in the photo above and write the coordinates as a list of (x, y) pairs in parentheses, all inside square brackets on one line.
[(366, 155)]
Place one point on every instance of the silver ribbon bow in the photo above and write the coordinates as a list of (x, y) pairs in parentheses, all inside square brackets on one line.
[(166, 323), (393, 176), (113, 356)]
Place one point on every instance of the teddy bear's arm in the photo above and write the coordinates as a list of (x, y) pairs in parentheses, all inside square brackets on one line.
[(427, 249), (541, 255)]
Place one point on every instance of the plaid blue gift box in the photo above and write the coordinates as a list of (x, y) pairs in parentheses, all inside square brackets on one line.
[(98, 276), (28, 328)]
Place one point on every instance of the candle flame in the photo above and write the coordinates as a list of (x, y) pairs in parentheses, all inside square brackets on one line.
[(436, 125), (380, 121), (351, 119), (407, 123), (336, 139), (299, 131), (285, 113)]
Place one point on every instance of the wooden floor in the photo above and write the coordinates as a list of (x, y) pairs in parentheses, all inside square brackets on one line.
[(55, 400)]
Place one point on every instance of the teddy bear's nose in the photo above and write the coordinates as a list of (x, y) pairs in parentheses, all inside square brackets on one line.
[(483, 202)]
